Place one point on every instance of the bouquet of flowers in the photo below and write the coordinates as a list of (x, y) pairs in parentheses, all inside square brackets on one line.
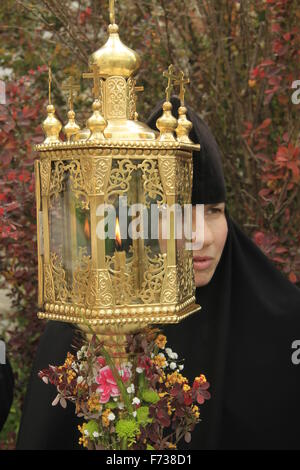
[(141, 402)]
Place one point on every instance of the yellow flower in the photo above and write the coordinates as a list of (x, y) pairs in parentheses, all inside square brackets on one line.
[(161, 341), (105, 420), (93, 403), (70, 376), (160, 361), (83, 440), (174, 378), (195, 410), (201, 379), (186, 388), (252, 83), (172, 446)]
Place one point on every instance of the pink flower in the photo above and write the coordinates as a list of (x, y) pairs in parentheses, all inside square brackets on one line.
[(101, 361), (108, 386)]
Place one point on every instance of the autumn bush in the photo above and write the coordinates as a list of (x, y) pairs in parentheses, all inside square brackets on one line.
[(242, 58)]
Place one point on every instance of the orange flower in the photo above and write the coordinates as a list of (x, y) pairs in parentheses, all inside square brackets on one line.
[(161, 341), (160, 361)]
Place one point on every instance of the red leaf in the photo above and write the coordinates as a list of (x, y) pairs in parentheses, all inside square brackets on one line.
[(292, 277)]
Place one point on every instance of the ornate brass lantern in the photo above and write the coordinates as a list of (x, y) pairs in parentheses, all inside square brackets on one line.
[(117, 285)]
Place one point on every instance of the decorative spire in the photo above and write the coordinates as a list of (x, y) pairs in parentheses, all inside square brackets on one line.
[(184, 125), (51, 125), (114, 58), (167, 123), (96, 123), (71, 128), (112, 17)]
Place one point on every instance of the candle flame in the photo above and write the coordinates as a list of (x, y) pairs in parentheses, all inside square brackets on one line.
[(86, 229), (118, 234)]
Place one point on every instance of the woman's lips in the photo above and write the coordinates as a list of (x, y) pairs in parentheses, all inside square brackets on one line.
[(202, 262)]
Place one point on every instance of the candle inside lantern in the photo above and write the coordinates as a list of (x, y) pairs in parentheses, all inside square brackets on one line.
[(120, 255), (86, 229)]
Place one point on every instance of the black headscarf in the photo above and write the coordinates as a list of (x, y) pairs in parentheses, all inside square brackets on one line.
[(6, 391), (43, 426), (242, 337)]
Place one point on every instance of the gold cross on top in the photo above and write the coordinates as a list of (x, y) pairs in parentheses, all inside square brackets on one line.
[(181, 81), (169, 74), (71, 87), (112, 17), (49, 82), (95, 75)]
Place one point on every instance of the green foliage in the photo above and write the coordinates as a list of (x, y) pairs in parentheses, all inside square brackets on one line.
[(127, 429), (150, 396), (142, 415)]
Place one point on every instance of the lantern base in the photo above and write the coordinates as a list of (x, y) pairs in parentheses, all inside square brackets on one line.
[(125, 318)]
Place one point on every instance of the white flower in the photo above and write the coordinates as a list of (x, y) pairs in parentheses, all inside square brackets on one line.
[(46, 35), (173, 365), (134, 414), (115, 399), (79, 379), (169, 351), (174, 355), (139, 370), (111, 416), (152, 355), (136, 401), (162, 355), (95, 434), (130, 389), (181, 367), (121, 406), (86, 432)]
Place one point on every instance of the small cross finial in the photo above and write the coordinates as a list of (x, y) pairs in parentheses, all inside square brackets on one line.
[(169, 74), (71, 87), (181, 81), (95, 75), (49, 81), (112, 17)]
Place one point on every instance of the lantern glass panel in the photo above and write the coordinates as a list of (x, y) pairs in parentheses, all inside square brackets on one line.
[(69, 237)]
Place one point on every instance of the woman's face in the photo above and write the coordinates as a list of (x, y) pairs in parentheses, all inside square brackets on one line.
[(215, 234)]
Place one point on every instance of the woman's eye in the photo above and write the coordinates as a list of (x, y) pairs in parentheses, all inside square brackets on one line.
[(215, 210)]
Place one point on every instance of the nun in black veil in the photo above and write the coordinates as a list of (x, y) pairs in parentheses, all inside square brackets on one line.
[(241, 339), (6, 391)]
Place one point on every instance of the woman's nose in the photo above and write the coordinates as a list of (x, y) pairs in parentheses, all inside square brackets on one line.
[(208, 234)]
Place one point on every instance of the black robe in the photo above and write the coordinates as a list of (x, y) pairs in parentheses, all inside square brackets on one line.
[(6, 391), (241, 340)]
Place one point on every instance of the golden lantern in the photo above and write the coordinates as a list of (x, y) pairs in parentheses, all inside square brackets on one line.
[(119, 284)]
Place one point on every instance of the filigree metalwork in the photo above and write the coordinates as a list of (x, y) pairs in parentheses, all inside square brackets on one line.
[(49, 293), (185, 274), (115, 102), (153, 189), (59, 277), (100, 293), (167, 169), (184, 181), (81, 275), (169, 291), (59, 174), (131, 96), (153, 276), (45, 175), (120, 178), (95, 173)]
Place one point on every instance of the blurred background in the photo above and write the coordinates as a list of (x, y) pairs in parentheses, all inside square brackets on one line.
[(242, 58)]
